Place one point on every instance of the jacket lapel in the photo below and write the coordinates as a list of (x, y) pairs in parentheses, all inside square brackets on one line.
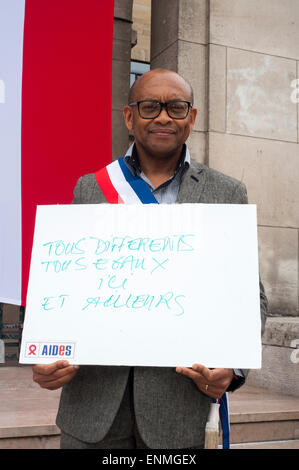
[(193, 184)]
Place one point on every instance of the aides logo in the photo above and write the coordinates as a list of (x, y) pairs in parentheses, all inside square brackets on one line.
[(54, 350)]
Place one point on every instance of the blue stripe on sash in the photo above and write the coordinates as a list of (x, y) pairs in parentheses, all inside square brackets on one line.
[(137, 184), (224, 419)]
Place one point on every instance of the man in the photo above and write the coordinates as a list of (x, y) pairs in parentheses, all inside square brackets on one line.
[(123, 407)]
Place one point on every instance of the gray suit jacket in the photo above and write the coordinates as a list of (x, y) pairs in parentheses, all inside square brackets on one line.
[(170, 411)]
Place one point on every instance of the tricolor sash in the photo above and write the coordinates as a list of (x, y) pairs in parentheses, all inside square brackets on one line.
[(120, 186)]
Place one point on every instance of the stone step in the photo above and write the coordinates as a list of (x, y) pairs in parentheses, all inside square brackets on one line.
[(259, 418), (258, 415), (27, 412), (291, 444)]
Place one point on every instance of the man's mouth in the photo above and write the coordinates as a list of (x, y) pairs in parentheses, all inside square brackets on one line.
[(162, 132)]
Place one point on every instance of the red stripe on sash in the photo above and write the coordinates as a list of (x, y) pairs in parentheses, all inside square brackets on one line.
[(106, 186)]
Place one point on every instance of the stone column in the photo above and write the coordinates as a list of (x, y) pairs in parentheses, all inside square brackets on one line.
[(179, 42), (122, 37)]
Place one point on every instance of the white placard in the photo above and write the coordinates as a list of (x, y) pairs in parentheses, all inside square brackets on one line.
[(144, 285)]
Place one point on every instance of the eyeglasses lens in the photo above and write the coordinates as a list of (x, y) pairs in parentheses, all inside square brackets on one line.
[(149, 109), (175, 109)]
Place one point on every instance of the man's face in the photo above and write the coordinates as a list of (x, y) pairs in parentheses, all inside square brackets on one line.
[(161, 136)]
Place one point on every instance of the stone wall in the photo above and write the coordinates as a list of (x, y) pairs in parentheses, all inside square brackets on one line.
[(122, 41), (280, 357), (253, 127)]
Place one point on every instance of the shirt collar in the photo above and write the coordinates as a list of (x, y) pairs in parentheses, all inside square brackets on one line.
[(131, 159)]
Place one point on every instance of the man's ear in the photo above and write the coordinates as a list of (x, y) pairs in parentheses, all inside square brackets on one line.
[(128, 117), (193, 113)]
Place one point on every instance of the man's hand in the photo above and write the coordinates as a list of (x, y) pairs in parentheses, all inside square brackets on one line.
[(212, 382), (53, 376)]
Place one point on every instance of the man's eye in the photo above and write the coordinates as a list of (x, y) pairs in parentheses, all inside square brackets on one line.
[(149, 107), (177, 107)]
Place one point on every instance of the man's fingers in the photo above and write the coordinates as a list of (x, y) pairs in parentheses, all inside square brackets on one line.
[(212, 382), (60, 381), (197, 371), (212, 375), (59, 373), (199, 380), (221, 377), (55, 375), (208, 374), (48, 369), (192, 374)]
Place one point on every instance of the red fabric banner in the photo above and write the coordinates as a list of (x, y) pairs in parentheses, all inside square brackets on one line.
[(66, 103)]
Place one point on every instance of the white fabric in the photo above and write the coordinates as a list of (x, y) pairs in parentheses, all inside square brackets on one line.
[(11, 59)]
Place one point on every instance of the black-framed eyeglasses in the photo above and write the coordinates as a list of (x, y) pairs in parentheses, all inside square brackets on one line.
[(150, 109)]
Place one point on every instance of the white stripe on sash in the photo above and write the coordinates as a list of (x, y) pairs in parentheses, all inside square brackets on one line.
[(121, 185)]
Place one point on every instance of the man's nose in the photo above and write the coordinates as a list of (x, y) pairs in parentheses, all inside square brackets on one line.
[(163, 116)]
